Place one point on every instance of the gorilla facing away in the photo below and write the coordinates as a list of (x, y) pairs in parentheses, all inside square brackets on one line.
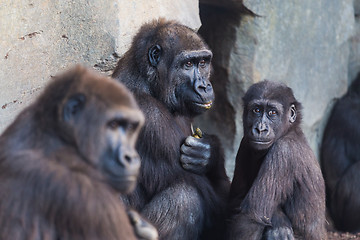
[(65, 159), (340, 160), (183, 187), (278, 190)]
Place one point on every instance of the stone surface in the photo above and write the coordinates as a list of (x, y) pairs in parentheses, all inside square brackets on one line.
[(302, 43), (41, 38), (354, 58), (313, 46)]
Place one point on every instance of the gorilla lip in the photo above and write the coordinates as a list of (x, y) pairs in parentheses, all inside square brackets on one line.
[(261, 142), (205, 105)]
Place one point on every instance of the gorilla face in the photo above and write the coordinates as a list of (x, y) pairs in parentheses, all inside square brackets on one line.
[(105, 123)]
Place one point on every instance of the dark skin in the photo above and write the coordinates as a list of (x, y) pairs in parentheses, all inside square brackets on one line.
[(183, 185), (65, 159), (278, 190), (340, 161)]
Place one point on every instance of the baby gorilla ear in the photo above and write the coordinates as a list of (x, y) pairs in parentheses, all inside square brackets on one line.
[(292, 118), (154, 55), (73, 105)]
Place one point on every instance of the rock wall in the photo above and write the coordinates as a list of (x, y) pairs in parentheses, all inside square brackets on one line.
[(313, 46), (40, 38), (303, 43)]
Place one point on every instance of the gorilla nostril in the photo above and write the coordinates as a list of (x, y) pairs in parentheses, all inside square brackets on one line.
[(127, 158)]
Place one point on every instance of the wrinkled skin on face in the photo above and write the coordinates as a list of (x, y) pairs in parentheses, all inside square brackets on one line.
[(267, 118), (266, 121)]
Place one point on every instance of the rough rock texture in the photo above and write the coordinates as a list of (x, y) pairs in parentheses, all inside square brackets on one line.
[(313, 46), (354, 58), (40, 38), (303, 43)]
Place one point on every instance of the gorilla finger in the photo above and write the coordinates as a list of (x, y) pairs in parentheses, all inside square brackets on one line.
[(193, 161), (196, 142), (194, 169), (195, 152)]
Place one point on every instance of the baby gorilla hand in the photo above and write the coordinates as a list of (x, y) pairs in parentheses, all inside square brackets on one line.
[(195, 154)]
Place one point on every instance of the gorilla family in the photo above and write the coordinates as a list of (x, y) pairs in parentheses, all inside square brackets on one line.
[(182, 187), (66, 158), (278, 190), (340, 160)]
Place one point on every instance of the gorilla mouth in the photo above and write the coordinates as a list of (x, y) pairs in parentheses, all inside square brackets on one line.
[(128, 179), (124, 184), (207, 105), (124, 180), (262, 142)]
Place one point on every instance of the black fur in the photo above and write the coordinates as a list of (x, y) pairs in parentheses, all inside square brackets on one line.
[(278, 189), (340, 160), (181, 204)]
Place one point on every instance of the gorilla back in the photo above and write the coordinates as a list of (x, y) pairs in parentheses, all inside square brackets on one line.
[(168, 68), (340, 160), (65, 159)]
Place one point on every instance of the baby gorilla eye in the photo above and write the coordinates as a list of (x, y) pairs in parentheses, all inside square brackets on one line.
[(272, 112), (202, 63), (256, 110)]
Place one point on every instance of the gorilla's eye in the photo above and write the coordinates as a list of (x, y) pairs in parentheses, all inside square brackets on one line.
[(272, 112), (202, 63), (133, 126), (256, 110), (189, 64), (116, 123)]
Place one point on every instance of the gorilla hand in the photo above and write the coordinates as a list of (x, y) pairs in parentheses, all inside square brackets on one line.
[(195, 154), (142, 229), (284, 233)]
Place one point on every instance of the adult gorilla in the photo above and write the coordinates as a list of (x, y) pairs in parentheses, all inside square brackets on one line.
[(66, 158), (340, 160), (278, 191), (168, 68)]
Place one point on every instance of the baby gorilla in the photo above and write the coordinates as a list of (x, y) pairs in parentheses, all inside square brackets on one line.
[(66, 158), (278, 189)]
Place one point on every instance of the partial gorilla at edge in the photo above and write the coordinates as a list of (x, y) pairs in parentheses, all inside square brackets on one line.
[(182, 186), (65, 159), (340, 160)]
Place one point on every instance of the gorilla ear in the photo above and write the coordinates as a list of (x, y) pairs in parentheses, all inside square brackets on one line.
[(292, 113), (73, 105), (154, 55)]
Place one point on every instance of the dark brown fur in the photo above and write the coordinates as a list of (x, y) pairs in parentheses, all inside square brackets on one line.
[(278, 191), (340, 160), (181, 204), (52, 185)]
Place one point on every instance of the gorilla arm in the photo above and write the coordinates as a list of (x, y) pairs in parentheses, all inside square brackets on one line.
[(204, 155), (260, 207)]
